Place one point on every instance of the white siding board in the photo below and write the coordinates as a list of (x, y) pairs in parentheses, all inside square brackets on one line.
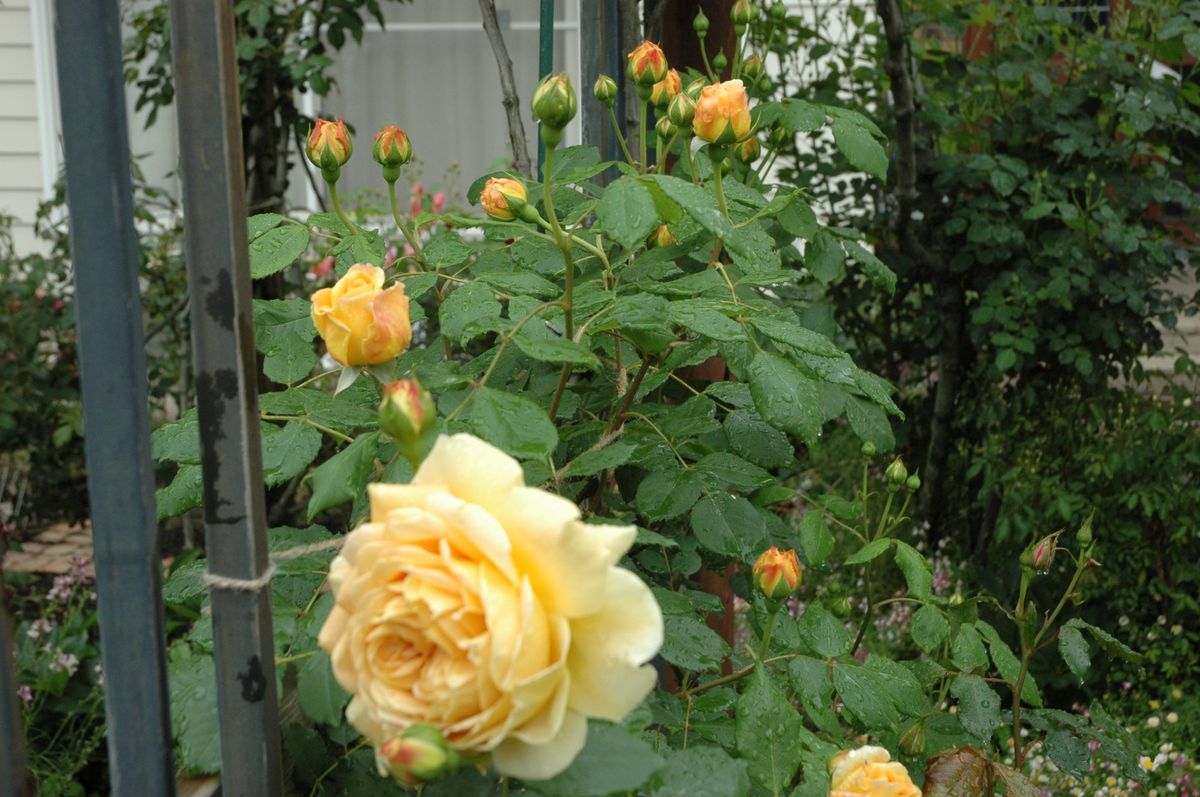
[(21, 203), (21, 171), (16, 65), (14, 26), (19, 137), (18, 101)]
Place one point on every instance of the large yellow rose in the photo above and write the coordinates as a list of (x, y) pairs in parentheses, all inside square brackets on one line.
[(489, 610), (362, 323), (722, 113), (869, 771)]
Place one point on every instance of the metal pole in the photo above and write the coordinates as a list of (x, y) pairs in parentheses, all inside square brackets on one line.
[(12, 735), (214, 204), (120, 472), (545, 64), (600, 48)]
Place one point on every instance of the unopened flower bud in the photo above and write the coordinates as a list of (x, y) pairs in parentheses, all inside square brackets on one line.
[(391, 151), (868, 449), (748, 151), (661, 237), (956, 599), (896, 473), (912, 741), (554, 106), (605, 90), (719, 62), (700, 23), (407, 411), (753, 69), (665, 129), (503, 198), (779, 11), (1039, 556), (329, 147), (1084, 537), (646, 64), (695, 87), (765, 85), (779, 137), (419, 755), (666, 89), (841, 608), (913, 483), (742, 12), (682, 111), (777, 573)]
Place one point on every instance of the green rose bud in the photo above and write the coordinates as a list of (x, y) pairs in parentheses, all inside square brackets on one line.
[(419, 755), (912, 741), (868, 449), (554, 106), (605, 90), (779, 12), (913, 483), (682, 111), (742, 12), (896, 473), (753, 69), (841, 608), (700, 24), (719, 62), (406, 413)]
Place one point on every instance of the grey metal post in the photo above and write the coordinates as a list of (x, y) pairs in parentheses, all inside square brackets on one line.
[(120, 471), (12, 736), (214, 204), (600, 53)]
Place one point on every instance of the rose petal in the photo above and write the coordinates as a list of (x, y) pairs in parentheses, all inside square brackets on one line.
[(471, 469), (519, 759), (608, 647)]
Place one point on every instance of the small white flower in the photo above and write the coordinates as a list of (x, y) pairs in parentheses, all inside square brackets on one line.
[(1172, 718), (1152, 722), (1122, 621), (1176, 629)]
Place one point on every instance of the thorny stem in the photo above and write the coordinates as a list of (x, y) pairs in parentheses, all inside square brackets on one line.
[(564, 243)]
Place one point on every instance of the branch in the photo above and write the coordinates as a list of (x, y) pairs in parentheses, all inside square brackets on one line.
[(508, 85)]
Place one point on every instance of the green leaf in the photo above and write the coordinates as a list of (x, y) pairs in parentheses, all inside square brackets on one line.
[(870, 423), (665, 494), (512, 423), (900, 685), (702, 207), (183, 494), (801, 116), (877, 389), (343, 477), (288, 450), (276, 249), (766, 729), (876, 270), (968, 652), (823, 632), (687, 641), (864, 696), (978, 705), (366, 246), (729, 471), (929, 627), (283, 332), (1008, 665), (1074, 650), (799, 220), (754, 439), (261, 223), (446, 251), (518, 283), (700, 771), (784, 397), (729, 525), (612, 760), (870, 551), (557, 350), (306, 750), (815, 538), (193, 685), (790, 333), (1111, 645), (699, 316), (860, 148), (810, 679), (178, 441), (824, 257), (915, 569), (470, 310), (590, 463), (1068, 751), (627, 213), (320, 696)]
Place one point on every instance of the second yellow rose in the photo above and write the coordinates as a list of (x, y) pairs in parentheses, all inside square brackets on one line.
[(360, 321)]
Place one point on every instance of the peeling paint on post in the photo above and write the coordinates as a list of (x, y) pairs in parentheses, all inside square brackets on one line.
[(214, 204)]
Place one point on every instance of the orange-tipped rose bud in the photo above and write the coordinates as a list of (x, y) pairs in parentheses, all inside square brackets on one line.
[(742, 12), (329, 147), (722, 113), (777, 573), (361, 323), (554, 106), (647, 65), (682, 111), (869, 771), (419, 755), (695, 87), (665, 90), (503, 198), (406, 414), (605, 90), (748, 151), (753, 69), (661, 237), (392, 150)]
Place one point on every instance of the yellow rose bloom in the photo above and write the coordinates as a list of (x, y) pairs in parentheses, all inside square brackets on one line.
[(496, 195), (869, 771), (722, 113), (490, 611), (361, 323)]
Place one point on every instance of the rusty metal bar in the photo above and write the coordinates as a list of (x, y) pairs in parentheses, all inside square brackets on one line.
[(214, 204), (120, 471)]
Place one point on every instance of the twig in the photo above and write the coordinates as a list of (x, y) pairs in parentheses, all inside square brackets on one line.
[(508, 86)]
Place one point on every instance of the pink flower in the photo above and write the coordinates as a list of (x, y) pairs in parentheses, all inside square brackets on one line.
[(439, 201), (25, 693), (321, 270)]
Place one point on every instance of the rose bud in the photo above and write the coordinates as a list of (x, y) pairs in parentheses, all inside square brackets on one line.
[(912, 741), (700, 23), (779, 137), (682, 111), (503, 198), (695, 87), (665, 90), (419, 755), (554, 106), (392, 150), (779, 11), (753, 69), (748, 151), (361, 323), (1040, 555), (329, 147), (722, 113), (913, 483), (660, 237), (742, 12), (841, 607), (605, 90), (777, 573), (665, 129), (868, 449), (646, 64), (405, 414), (896, 473), (719, 62)]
